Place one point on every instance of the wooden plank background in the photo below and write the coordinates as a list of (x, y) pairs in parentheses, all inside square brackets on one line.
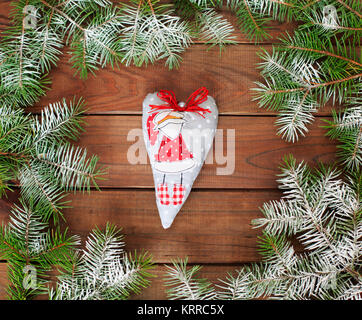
[(213, 228)]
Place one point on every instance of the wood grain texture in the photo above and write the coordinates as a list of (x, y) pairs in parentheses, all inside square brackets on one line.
[(258, 152), (212, 226), (229, 78), (5, 9), (3, 280)]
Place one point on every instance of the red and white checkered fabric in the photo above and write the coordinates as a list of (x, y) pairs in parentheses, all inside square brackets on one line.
[(162, 194), (178, 193)]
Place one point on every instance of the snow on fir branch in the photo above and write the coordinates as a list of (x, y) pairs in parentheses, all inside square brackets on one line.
[(96, 34), (139, 32), (185, 284), (311, 245), (304, 74), (102, 271), (31, 249), (346, 127), (320, 63), (209, 25), (36, 152), (321, 210), (152, 33), (100, 33)]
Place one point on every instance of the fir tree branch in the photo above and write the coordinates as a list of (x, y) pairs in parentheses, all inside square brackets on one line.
[(21, 50), (337, 27), (21, 243), (283, 3), (349, 8), (325, 53), (324, 213), (102, 270), (250, 14), (184, 283), (357, 146), (38, 154), (310, 3), (62, 13)]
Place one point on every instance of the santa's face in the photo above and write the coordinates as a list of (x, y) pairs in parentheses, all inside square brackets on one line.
[(170, 124)]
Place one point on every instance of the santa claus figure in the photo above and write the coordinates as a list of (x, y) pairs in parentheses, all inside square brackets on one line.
[(171, 153), (178, 136)]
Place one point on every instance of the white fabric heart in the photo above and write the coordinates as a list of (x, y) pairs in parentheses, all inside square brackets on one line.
[(178, 137)]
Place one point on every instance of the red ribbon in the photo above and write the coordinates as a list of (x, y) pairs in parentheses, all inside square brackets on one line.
[(192, 103)]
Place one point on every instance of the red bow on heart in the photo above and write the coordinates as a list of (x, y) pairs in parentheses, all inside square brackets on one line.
[(192, 103)]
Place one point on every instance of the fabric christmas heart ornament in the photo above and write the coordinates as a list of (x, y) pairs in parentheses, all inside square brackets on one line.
[(178, 137)]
